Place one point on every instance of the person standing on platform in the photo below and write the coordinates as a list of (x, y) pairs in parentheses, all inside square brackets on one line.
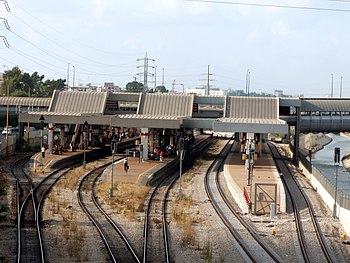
[(161, 156), (43, 151), (126, 165)]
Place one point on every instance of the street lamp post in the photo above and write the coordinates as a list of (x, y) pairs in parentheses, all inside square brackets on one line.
[(247, 82), (42, 121), (84, 134), (336, 164), (181, 146), (7, 112), (341, 86), (113, 149)]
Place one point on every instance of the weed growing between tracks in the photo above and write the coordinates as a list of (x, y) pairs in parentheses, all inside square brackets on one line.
[(74, 236), (128, 198), (183, 213)]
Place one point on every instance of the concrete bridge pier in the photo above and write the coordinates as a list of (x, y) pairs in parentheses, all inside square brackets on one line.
[(62, 136), (297, 136), (50, 137), (144, 142)]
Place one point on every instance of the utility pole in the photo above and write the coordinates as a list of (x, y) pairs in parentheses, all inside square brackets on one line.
[(208, 79), (163, 78), (155, 78), (68, 77), (73, 76), (145, 67)]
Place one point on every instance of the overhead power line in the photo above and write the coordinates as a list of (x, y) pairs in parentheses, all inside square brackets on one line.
[(64, 48), (5, 41), (6, 5), (6, 23), (69, 37), (273, 5)]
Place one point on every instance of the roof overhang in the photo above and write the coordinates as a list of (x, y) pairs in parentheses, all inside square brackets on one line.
[(130, 120), (250, 125)]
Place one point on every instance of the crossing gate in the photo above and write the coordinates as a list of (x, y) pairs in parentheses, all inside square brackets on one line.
[(265, 195)]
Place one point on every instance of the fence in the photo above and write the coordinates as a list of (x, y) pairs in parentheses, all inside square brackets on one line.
[(343, 199)]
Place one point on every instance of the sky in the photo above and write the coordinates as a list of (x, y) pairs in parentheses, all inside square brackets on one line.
[(96, 41)]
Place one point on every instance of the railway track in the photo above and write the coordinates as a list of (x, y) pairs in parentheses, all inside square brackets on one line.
[(156, 243), (311, 240), (27, 237), (40, 192), (253, 247), (29, 201), (156, 240), (115, 241)]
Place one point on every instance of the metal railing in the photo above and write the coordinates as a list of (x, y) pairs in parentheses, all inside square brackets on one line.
[(343, 199)]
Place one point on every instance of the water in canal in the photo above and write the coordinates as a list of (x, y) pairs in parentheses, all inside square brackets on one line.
[(324, 161)]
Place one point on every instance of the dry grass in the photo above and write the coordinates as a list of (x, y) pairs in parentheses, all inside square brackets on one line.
[(74, 236), (71, 179), (186, 217), (207, 252), (188, 177), (128, 198)]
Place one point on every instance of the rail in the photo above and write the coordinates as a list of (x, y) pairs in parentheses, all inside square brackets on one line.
[(328, 255)]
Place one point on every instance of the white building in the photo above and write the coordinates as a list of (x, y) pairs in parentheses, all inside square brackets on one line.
[(110, 87), (212, 91)]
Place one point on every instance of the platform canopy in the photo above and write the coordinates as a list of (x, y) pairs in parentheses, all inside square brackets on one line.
[(251, 114), (154, 110)]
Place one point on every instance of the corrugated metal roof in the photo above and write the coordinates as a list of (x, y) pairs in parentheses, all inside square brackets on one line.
[(149, 117), (325, 105), (78, 102), (26, 101), (252, 107), (252, 121), (54, 113), (158, 104)]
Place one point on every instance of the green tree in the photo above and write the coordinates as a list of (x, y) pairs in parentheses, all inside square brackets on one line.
[(161, 89), (22, 84), (134, 86)]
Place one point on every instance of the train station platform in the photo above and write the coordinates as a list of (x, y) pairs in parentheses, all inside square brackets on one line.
[(47, 162), (266, 188), (139, 172)]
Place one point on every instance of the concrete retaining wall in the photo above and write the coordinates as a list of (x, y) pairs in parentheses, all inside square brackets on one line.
[(35, 141), (11, 145)]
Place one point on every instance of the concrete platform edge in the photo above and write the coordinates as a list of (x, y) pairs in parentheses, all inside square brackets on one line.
[(234, 189)]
